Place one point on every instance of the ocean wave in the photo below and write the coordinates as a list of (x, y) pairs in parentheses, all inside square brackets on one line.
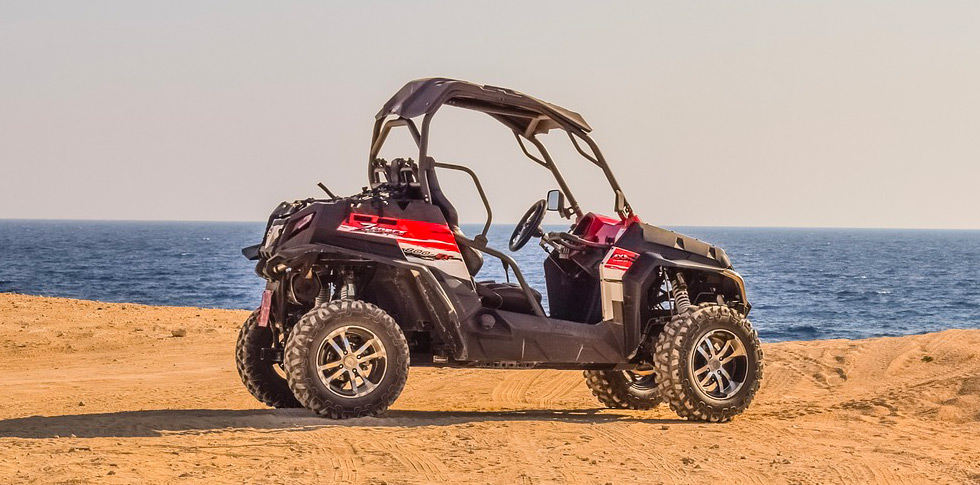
[(791, 332)]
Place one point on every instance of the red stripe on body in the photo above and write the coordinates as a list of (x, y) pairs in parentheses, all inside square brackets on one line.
[(406, 231)]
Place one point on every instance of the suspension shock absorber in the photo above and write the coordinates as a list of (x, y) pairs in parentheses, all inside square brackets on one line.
[(679, 291), (347, 286)]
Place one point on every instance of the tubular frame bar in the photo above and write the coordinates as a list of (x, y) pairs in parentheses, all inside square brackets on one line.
[(520, 141), (382, 128), (424, 163), (557, 174), (626, 210), (479, 188), (380, 134)]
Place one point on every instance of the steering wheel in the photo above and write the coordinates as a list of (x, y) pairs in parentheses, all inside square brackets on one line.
[(529, 226)]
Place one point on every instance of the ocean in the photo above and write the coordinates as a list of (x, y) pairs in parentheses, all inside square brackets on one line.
[(804, 284)]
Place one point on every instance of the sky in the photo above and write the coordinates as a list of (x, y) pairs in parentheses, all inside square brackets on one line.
[(759, 113)]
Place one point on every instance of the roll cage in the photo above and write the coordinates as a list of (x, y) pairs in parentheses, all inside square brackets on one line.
[(525, 115)]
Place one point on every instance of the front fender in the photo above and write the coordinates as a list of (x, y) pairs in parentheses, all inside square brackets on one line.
[(637, 281)]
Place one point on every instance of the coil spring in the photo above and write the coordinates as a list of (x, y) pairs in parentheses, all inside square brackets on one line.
[(347, 286), (682, 301)]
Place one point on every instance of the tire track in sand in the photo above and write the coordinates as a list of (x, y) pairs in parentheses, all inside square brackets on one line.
[(558, 385), (341, 460), (536, 387), (514, 388), (421, 463)]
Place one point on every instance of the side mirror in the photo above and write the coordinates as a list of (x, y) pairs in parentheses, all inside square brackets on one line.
[(556, 201)]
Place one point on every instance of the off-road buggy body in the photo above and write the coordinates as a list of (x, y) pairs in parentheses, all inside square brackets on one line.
[(360, 287)]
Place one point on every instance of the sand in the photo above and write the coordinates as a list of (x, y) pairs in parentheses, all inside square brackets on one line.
[(105, 393)]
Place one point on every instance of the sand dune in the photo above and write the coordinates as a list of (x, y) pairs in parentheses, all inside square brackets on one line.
[(104, 393)]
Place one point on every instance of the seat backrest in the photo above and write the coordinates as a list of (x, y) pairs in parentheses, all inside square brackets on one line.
[(440, 200), (472, 257)]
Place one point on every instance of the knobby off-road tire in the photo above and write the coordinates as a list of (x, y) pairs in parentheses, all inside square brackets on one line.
[(322, 357), (677, 361), (617, 390), (260, 376)]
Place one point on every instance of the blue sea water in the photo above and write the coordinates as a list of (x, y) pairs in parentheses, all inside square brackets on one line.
[(804, 283)]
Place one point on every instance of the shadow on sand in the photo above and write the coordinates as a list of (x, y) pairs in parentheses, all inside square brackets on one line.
[(152, 423)]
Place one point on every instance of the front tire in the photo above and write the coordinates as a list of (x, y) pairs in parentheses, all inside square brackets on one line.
[(346, 359), (709, 363), (260, 377), (623, 389)]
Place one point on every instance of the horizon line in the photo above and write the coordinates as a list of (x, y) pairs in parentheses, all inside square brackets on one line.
[(24, 219)]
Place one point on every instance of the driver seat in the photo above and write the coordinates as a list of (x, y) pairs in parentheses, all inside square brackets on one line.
[(505, 296), (471, 257)]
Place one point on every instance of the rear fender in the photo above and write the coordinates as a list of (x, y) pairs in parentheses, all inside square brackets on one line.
[(435, 306)]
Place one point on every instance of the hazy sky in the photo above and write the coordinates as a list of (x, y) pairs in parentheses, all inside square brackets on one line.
[(788, 113)]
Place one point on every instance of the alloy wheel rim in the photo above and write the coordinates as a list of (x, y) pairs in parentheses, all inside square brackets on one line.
[(719, 364), (351, 362)]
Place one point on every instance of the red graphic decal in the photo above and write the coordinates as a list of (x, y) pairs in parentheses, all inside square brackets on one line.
[(620, 259), (417, 234), (422, 253)]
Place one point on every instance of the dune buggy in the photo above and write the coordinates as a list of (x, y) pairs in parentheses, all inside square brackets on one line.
[(361, 287)]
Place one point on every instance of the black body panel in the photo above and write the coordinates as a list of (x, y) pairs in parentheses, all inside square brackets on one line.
[(529, 339), (573, 292), (641, 238)]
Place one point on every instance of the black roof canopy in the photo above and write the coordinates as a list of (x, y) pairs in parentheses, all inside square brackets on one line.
[(524, 114)]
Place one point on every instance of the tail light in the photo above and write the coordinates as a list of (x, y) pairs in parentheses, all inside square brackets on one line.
[(303, 223)]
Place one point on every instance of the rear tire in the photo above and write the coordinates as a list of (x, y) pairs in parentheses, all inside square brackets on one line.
[(260, 376), (709, 363), (347, 359), (618, 390)]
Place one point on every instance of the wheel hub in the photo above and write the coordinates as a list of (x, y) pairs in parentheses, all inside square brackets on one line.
[(719, 364), (351, 362)]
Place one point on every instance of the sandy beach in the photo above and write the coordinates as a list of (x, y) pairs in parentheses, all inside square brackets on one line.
[(106, 393)]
